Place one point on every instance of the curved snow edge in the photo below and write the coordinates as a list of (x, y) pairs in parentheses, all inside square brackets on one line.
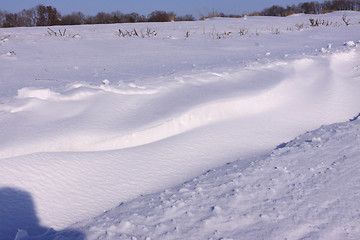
[(304, 180)]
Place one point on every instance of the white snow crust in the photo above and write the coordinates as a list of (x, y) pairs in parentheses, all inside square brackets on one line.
[(307, 188), (93, 119)]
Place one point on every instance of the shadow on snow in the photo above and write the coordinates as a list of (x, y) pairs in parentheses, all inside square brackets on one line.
[(18, 219)]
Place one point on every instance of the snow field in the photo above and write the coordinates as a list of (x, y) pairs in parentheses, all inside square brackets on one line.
[(92, 121), (309, 86), (207, 132), (307, 188)]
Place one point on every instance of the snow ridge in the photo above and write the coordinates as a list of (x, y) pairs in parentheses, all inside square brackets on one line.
[(315, 84), (90, 122), (307, 189)]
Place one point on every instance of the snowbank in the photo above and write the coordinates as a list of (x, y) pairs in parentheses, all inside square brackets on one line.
[(307, 188), (89, 122)]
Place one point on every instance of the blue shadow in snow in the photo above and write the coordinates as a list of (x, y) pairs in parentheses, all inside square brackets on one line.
[(17, 212)]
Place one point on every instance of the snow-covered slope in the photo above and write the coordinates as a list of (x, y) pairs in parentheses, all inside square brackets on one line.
[(308, 188), (92, 119)]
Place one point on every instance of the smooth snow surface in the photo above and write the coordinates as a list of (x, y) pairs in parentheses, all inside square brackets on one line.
[(92, 119)]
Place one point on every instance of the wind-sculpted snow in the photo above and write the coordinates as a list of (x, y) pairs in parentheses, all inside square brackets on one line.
[(307, 189), (315, 85), (90, 122)]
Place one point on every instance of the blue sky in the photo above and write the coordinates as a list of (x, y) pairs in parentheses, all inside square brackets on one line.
[(180, 7)]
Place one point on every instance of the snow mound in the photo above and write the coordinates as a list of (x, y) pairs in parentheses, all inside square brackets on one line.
[(315, 86), (91, 122), (350, 44), (306, 189)]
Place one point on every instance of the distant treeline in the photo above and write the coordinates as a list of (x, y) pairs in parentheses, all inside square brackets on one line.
[(304, 7), (311, 8), (48, 16)]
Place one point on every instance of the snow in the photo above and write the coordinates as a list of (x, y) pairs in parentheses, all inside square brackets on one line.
[(93, 119), (306, 189)]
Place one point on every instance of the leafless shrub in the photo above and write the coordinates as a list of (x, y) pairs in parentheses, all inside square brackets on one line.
[(210, 15), (346, 20), (52, 32), (5, 38), (134, 33), (275, 31), (125, 33), (60, 33), (299, 27), (218, 35), (318, 22), (313, 22), (150, 32), (243, 31)]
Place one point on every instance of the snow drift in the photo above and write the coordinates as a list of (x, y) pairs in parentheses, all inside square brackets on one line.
[(307, 188), (92, 121)]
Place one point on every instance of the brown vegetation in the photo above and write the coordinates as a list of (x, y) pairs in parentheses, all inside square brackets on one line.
[(48, 16), (311, 8)]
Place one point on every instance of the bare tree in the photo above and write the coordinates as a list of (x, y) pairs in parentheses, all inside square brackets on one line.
[(117, 17), (159, 16), (102, 18), (47, 16), (135, 17), (27, 17), (11, 20), (2, 17), (76, 18), (273, 11), (187, 17)]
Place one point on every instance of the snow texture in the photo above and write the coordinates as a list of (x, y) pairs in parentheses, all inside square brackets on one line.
[(306, 189), (93, 119)]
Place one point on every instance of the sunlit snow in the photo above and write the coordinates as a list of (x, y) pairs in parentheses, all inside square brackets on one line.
[(92, 120)]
